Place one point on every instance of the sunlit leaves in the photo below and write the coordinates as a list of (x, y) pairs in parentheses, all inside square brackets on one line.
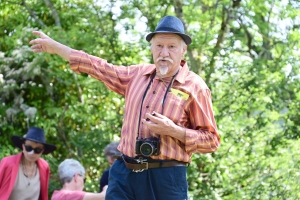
[(252, 71)]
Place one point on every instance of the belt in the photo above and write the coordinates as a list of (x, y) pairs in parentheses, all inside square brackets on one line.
[(141, 164)]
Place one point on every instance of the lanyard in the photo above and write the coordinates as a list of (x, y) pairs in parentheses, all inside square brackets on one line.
[(144, 95)]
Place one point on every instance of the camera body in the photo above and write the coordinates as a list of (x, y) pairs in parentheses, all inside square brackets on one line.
[(148, 146)]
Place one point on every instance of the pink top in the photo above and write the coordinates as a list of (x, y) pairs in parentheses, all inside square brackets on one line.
[(9, 167), (67, 195)]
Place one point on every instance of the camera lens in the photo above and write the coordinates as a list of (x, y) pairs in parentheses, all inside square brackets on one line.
[(146, 149)]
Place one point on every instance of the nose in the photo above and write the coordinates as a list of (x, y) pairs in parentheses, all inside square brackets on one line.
[(164, 52)]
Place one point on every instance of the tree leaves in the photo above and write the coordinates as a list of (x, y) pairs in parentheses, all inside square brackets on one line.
[(246, 51)]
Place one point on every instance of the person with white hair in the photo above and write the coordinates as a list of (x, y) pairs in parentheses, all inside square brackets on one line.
[(72, 177), (168, 113)]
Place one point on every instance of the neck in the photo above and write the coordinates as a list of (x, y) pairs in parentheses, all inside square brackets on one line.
[(70, 186), (168, 78), (27, 162)]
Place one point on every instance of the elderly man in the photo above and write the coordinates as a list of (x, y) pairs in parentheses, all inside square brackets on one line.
[(168, 113), (71, 175)]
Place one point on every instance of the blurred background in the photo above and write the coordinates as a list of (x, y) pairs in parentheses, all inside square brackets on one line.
[(247, 51)]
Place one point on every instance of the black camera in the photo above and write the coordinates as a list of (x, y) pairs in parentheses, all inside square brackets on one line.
[(148, 146)]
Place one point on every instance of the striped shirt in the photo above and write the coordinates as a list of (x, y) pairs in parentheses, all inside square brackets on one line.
[(188, 104)]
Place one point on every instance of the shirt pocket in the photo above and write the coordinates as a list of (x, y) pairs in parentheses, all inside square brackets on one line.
[(174, 108)]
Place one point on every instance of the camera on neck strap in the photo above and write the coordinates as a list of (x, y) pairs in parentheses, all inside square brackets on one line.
[(148, 146)]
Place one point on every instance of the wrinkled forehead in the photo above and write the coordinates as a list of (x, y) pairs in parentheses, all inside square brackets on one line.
[(33, 144), (166, 36)]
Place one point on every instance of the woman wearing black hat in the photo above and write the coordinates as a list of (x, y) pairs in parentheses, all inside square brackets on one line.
[(26, 175)]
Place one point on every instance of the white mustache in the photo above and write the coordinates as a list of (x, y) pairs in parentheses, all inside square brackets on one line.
[(164, 58)]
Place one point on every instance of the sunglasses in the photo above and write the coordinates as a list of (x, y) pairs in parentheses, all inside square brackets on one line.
[(29, 148)]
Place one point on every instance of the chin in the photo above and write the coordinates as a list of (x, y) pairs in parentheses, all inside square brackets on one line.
[(32, 159), (163, 70)]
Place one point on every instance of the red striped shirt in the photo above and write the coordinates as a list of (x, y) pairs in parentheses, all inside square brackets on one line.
[(194, 113)]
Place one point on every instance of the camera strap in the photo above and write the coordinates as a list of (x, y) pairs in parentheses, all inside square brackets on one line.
[(145, 93)]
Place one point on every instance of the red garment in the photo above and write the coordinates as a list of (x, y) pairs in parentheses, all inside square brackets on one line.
[(188, 105), (9, 167), (67, 195)]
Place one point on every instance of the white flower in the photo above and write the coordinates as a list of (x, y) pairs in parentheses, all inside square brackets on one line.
[(10, 113), (30, 112)]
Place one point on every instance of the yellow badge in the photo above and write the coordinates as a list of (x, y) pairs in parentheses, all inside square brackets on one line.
[(180, 94)]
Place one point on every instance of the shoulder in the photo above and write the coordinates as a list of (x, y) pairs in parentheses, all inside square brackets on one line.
[(43, 164), (194, 85), (190, 81), (11, 160), (42, 161), (142, 68), (67, 194), (194, 79), (105, 174)]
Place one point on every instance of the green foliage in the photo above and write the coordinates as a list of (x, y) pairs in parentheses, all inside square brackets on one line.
[(246, 51)]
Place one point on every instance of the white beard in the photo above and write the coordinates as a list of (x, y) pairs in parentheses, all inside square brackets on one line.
[(163, 70)]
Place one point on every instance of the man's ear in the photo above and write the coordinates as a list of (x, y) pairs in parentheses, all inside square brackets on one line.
[(184, 50)]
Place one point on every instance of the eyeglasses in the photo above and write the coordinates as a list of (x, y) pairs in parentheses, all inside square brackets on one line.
[(37, 150)]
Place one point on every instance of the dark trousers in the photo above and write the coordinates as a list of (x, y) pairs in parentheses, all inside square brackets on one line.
[(167, 183)]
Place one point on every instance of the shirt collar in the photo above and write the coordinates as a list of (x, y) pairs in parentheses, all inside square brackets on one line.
[(180, 76)]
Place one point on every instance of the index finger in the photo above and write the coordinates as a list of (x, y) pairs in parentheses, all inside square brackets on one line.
[(156, 114), (154, 117), (40, 34), (37, 33)]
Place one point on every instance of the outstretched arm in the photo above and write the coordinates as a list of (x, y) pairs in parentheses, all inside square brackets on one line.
[(45, 44), (95, 196)]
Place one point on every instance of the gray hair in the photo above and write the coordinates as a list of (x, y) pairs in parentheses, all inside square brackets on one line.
[(112, 149), (68, 168)]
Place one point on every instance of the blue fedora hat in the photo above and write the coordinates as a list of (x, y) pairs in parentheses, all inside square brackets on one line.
[(170, 24), (36, 135)]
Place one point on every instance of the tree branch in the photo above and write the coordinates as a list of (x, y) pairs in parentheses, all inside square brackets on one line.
[(226, 17), (220, 39), (80, 96), (53, 11), (179, 13), (32, 14)]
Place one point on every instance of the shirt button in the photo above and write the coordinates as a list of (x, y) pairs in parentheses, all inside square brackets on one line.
[(154, 92), (147, 106)]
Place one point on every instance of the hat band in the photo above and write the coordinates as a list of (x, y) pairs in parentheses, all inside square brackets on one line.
[(36, 139), (168, 29)]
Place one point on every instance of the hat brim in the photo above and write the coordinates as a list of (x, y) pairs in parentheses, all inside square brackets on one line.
[(18, 141), (187, 39)]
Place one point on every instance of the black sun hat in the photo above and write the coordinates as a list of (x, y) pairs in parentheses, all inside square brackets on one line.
[(36, 135), (170, 24)]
